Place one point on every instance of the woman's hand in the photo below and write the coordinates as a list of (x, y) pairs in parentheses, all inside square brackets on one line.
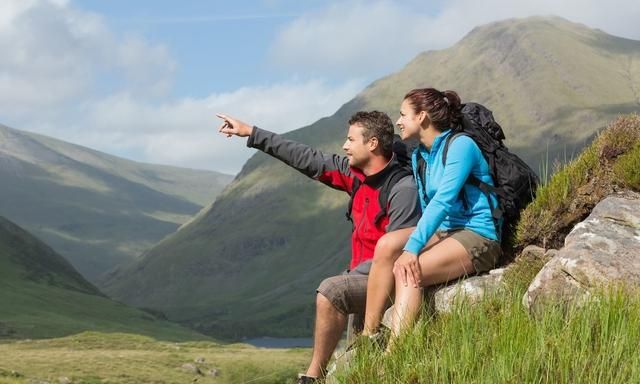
[(407, 268), (232, 127)]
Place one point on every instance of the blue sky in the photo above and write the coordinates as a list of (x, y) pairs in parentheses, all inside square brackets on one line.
[(143, 79)]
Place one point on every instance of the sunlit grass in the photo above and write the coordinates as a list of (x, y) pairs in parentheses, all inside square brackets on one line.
[(497, 341), (93, 357)]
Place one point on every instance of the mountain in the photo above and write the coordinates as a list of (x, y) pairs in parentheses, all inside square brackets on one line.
[(249, 265), (42, 295), (95, 209)]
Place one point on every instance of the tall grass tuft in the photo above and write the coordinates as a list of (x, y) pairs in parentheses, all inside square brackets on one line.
[(496, 341), (608, 164)]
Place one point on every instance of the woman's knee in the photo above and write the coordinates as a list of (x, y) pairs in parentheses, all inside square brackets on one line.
[(387, 249)]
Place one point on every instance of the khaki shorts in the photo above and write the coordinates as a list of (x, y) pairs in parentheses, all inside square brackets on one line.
[(484, 253), (348, 293)]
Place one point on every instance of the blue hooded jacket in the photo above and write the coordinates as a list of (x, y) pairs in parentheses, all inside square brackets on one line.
[(442, 206)]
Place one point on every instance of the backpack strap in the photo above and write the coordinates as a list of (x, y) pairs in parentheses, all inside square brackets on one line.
[(486, 189), (448, 141), (385, 191)]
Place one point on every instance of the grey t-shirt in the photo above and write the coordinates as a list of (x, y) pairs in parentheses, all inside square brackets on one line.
[(404, 207)]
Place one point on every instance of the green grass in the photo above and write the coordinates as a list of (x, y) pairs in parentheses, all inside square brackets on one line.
[(627, 168), (31, 310), (119, 358), (610, 163), (42, 296), (497, 341)]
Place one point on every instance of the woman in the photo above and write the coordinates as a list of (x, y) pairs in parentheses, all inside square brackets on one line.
[(456, 235)]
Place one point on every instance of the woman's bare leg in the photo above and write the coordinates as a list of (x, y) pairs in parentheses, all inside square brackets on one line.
[(445, 261), (381, 280)]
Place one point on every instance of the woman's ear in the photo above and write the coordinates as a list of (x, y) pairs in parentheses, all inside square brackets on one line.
[(422, 116)]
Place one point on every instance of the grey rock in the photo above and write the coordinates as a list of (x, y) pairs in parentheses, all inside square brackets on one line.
[(533, 252), (602, 250), (470, 290), (442, 298), (191, 368)]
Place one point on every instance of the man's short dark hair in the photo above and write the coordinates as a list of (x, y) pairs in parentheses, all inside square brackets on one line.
[(376, 124)]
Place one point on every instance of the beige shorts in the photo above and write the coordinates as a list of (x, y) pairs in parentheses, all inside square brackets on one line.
[(484, 253)]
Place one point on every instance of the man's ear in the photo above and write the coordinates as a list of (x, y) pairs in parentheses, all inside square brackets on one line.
[(373, 143)]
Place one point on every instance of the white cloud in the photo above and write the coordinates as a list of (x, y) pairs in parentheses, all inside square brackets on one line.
[(373, 38), (184, 132), (55, 54), (71, 77)]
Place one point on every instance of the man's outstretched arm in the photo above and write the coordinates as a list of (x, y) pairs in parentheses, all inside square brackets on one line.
[(329, 169)]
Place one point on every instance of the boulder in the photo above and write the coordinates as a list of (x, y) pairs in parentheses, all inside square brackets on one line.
[(191, 368), (441, 298), (470, 290), (602, 250)]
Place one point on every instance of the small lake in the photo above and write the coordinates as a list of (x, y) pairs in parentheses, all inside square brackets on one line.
[(278, 342)]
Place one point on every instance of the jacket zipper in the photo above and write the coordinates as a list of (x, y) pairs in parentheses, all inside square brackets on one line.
[(364, 214)]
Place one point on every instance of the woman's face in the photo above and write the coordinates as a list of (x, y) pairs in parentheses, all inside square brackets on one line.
[(409, 121)]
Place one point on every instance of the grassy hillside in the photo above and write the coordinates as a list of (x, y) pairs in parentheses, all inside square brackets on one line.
[(250, 264), (42, 296), (95, 209)]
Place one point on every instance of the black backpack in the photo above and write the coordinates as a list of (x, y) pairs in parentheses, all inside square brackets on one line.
[(402, 168), (515, 182)]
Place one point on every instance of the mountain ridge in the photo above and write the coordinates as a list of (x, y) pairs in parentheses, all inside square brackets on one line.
[(42, 296), (96, 209)]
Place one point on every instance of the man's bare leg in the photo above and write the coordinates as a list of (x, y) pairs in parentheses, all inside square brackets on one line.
[(330, 324), (381, 280)]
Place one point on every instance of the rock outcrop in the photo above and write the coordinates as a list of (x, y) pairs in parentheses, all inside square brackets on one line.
[(602, 250), (442, 298)]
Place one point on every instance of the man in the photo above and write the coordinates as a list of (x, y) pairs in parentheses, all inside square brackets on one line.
[(369, 172)]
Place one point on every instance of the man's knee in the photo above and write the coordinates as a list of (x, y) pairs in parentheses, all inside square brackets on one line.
[(322, 302), (347, 294), (330, 295)]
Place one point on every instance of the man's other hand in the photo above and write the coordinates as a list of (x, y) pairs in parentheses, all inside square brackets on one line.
[(231, 127)]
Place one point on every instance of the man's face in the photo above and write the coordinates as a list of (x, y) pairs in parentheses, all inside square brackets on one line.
[(358, 151)]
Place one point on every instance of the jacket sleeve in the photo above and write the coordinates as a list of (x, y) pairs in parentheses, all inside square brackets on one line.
[(463, 154), (330, 169)]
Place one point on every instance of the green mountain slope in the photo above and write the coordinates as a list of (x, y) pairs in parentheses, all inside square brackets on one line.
[(251, 263), (42, 295), (95, 209)]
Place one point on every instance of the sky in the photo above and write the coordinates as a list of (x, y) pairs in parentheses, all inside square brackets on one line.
[(143, 79)]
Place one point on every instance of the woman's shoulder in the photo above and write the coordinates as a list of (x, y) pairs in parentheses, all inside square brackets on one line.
[(462, 145)]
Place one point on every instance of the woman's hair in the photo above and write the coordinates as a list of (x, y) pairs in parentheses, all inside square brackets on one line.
[(443, 108)]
